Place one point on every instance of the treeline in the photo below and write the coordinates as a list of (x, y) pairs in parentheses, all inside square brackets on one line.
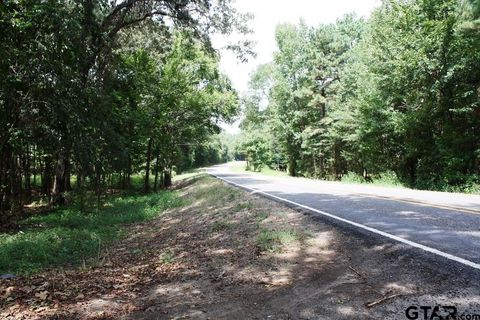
[(99, 90), (396, 95)]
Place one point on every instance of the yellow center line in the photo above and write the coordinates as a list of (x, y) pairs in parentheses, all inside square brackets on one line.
[(421, 203)]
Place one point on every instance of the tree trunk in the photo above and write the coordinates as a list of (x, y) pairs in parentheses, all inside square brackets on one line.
[(146, 184), (16, 206), (3, 198), (292, 166), (80, 190), (412, 170), (322, 166), (128, 181), (98, 185), (5, 190), (155, 184), (47, 177), (27, 176), (34, 166), (292, 155), (124, 179), (68, 175), (59, 181), (167, 178)]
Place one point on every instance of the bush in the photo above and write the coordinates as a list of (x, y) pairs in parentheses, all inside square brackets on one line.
[(388, 178), (352, 177)]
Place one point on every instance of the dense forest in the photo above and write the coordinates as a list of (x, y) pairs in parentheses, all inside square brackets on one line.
[(95, 91), (395, 96)]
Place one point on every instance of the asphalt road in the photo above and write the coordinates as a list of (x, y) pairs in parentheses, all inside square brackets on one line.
[(444, 224)]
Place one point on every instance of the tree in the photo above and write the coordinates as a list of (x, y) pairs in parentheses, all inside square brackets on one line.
[(397, 93), (81, 96)]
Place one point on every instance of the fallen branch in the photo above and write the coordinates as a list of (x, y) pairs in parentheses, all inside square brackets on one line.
[(374, 303), (357, 273)]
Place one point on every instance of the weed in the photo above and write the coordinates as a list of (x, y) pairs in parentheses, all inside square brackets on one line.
[(261, 216), (273, 240), (167, 257), (352, 177), (244, 205), (221, 225), (136, 251)]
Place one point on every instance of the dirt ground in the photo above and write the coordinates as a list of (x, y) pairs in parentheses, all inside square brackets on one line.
[(229, 254)]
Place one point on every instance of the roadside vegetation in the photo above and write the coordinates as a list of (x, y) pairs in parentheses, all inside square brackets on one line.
[(393, 99), (275, 240), (74, 236), (71, 237), (209, 250), (108, 107), (69, 240), (94, 94)]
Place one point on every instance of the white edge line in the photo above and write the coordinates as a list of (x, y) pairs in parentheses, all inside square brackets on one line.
[(358, 225)]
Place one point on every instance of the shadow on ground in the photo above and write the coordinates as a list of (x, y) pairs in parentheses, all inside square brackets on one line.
[(232, 255)]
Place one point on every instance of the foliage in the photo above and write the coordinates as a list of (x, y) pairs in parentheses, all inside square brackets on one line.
[(101, 90), (394, 99), (273, 240), (352, 177), (68, 236)]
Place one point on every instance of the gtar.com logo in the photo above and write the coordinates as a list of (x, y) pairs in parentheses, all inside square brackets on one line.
[(431, 313)]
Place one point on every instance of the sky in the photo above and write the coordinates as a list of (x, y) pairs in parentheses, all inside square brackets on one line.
[(267, 15)]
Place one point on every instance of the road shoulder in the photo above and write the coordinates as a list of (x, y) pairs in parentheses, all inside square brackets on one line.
[(232, 254)]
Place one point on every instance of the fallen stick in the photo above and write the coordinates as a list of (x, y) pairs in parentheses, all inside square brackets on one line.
[(357, 273), (374, 303)]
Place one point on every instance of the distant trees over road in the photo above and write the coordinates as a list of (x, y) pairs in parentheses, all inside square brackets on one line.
[(398, 94)]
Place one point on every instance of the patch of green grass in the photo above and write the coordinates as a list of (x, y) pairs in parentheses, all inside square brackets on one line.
[(238, 166), (385, 179), (138, 180), (244, 205), (215, 191), (261, 216), (273, 240), (273, 173), (167, 257), (221, 225), (136, 251), (187, 174), (259, 219), (70, 237), (466, 188)]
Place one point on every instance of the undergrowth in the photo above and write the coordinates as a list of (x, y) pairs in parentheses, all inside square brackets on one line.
[(69, 237)]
